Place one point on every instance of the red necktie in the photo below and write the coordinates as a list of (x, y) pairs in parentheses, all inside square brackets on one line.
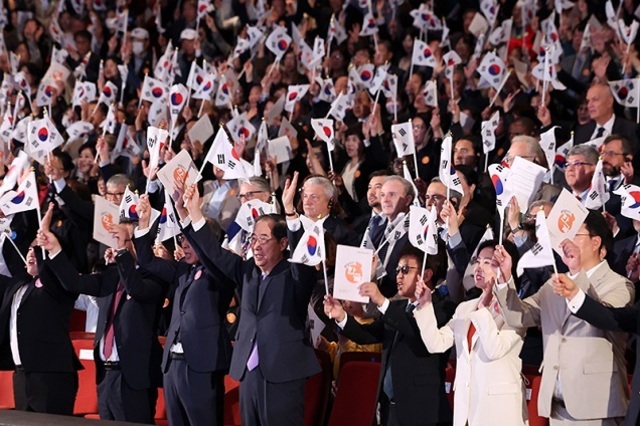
[(470, 333), (109, 335)]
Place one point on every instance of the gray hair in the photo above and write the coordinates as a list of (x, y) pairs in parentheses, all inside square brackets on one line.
[(408, 188), (589, 153), (534, 148), (121, 179), (329, 188), (260, 183)]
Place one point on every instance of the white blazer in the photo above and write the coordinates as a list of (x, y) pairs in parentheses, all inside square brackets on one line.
[(488, 385)]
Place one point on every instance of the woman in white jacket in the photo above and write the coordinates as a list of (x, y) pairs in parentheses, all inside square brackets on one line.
[(488, 385)]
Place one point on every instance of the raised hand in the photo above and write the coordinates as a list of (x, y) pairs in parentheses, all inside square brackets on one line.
[(371, 291), (144, 211), (289, 192), (571, 256), (121, 234), (333, 308), (504, 261), (564, 286), (191, 199), (423, 293)]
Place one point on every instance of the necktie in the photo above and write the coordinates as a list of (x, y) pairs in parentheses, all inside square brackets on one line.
[(109, 335), (600, 132), (376, 229), (470, 333), (254, 358), (613, 183)]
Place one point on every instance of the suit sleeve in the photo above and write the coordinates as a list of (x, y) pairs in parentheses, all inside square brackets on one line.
[(617, 295), (83, 209), (363, 334), (74, 282), (437, 340), (137, 287), (519, 313), (160, 268), (608, 318), (496, 342), (397, 318)]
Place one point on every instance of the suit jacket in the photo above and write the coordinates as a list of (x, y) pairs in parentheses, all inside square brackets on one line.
[(622, 320), (622, 251), (594, 382), (43, 324), (199, 304), (621, 126), (417, 375), (135, 320), (273, 311), (488, 382)]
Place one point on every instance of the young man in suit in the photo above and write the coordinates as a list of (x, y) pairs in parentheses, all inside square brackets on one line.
[(584, 375), (273, 355), (411, 385), (197, 353), (126, 348)]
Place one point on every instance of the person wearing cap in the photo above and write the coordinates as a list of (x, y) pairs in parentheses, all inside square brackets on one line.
[(138, 57), (189, 52)]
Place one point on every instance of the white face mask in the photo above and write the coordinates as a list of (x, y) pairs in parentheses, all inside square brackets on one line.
[(137, 47)]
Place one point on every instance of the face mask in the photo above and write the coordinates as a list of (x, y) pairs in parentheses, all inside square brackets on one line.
[(66, 121), (137, 47)]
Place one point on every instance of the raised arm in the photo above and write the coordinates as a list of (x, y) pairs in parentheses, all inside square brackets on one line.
[(496, 343), (437, 340)]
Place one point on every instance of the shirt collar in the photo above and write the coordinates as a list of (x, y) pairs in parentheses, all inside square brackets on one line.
[(592, 271)]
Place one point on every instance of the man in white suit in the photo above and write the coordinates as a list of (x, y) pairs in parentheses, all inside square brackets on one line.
[(584, 378)]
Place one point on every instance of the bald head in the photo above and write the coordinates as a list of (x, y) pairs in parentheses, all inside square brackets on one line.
[(600, 103)]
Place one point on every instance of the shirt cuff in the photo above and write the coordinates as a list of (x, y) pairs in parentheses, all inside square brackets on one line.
[(52, 255), (140, 232), (383, 308), (455, 240), (104, 163), (186, 222), (519, 240), (500, 286), (199, 224), (576, 303), (59, 184), (153, 186), (294, 224), (342, 323)]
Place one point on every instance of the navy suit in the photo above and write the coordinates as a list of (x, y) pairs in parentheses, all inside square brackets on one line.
[(193, 382), (135, 323), (273, 314)]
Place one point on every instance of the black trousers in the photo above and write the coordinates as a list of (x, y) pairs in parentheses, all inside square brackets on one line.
[(193, 398), (118, 401), (52, 393), (271, 404)]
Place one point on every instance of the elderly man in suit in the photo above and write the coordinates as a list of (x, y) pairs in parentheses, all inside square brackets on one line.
[(273, 355), (411, 385), (584, 374)]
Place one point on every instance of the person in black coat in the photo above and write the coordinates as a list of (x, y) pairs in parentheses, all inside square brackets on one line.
[(411, 386), (126, 348), (34, 339), (273, 355), (626, 320), (197, 353)]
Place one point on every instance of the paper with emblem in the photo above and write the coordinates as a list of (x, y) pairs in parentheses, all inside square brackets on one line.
[(181, 167), (565, 219), (353, 267), (105, 214)]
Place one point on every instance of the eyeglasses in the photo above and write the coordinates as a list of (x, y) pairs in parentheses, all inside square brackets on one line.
[(611, 153), (576, 164), (250, 195), (585, 233), (114, 194), (405, 269), (509, 159), (260, 240)]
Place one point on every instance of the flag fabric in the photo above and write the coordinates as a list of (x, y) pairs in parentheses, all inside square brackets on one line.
[(390, 86), (430, 93), (110, 122), (278, 42), (81, 70), (611, 15), (22, 199), (630, 199), (585, 43), (207, 88), (43, 136), (254, 35), (548, 145), (562, 153), (21, 129), (502, 33), (492, 69), (156, 138), (83, 91), (425, 19), (318, 53), (598, 194), (226, 158), (196, 76), (177, 98), (369, 25), (109, 94), (59, 55), (79, 130), (451, 59), (204, 7), (211, 156), (407, 175), (626, 92), (628, 33), (168, 226), (499, 175), (23, 83), (489, 132), (378, 80), (336, 32), (324, 130), (363, 75), (18, 164), (153, 90), (250, 211), (240, 127), (310, 249), (339, 107), (541, 254), (489, 9), (6, 128), (447, 173), (423, 231), (295, 93), (128, 205), (422, 54), (402, 135), (223, 94)]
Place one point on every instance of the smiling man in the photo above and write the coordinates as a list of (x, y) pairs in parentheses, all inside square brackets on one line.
[(411, 389), (579, 169)]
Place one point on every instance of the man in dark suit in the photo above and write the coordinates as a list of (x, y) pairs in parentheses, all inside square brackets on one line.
[(411, 385), (625, 319), (197, 353), (273, 355), (603, 120), (34, 339), (126, 349)]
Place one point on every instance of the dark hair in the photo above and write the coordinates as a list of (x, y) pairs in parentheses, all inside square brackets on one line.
[(88, 145), (470, 175), (627, 148), (437, 263), (597, 227), (83, 34), (65, 159), (381, 172), (508, 246), (356, 130), (278, 225)]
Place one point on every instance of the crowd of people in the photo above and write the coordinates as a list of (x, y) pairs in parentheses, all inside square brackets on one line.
[(345, 116)]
